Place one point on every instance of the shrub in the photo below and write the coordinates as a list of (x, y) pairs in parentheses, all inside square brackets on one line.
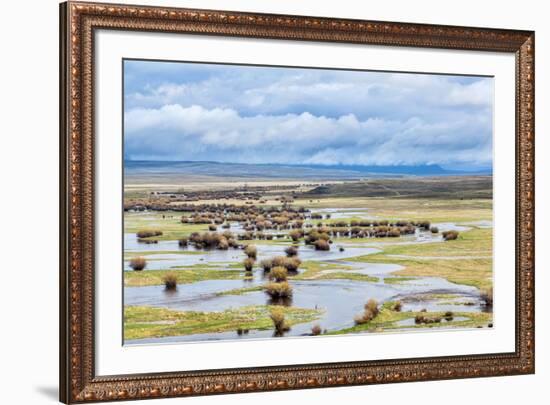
[(212, 227), (419, 319), (394, 232), (170, 281), (279, 261), (278, 274), (316, 330), (434, 229), (291, 251), (425, 225), (296, 234), (248, 264), (450, 235), (397, 306), (278, 290), (251, 251), (138, 263), (183, 242), (321, 244), (266, 264), (341, 249), (148, 233), (223, 244), (487, 297), (449, 316), (371, 311), (277, 316), (292, 264)]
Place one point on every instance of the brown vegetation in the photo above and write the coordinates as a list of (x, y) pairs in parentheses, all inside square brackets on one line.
[(170, 280), (278, 290), (278, 318), (148, 233), (138, 263), (450, 235), (371, 311)]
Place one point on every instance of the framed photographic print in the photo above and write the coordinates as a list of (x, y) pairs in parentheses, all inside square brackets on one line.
[(255, 202)]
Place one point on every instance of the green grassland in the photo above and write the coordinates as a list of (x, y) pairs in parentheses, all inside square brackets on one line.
[(184, 276), (388, 319), (148, 322), (444, 259)]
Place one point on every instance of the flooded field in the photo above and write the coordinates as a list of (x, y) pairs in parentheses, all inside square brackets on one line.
[(417, 275)]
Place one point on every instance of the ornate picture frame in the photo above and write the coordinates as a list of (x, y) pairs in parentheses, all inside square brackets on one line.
[(78, 380)]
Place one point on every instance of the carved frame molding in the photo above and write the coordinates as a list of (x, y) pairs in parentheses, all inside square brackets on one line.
[(78, 382)]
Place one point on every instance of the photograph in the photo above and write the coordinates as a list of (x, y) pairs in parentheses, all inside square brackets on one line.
[(269, 202)]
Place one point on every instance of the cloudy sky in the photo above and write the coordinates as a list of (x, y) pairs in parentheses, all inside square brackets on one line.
[(248, 114)]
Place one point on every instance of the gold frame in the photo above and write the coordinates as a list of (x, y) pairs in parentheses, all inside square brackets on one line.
[(78, 381)]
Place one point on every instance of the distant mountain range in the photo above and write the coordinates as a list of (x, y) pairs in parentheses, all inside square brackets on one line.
[(242, 170)]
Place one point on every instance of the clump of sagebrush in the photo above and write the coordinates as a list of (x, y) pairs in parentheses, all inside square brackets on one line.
[(170, 280), (138, 263), (266, 264), (212, 227), (397, 306), (277, 316), (425, 225), (423, 319), (487, 297), (371, 311), (449, 316), (341, 249), (296, 234), (278, 274), (290, 263), (183, 242), (291, 251), (251, 251), (321, 244), (316, 234), (248, 264), (450, 235), (278, 290), (210, 240), (434, 229), (316, 330), (147, 233)]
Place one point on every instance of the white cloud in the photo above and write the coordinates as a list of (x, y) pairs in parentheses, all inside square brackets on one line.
[(174, 132)]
